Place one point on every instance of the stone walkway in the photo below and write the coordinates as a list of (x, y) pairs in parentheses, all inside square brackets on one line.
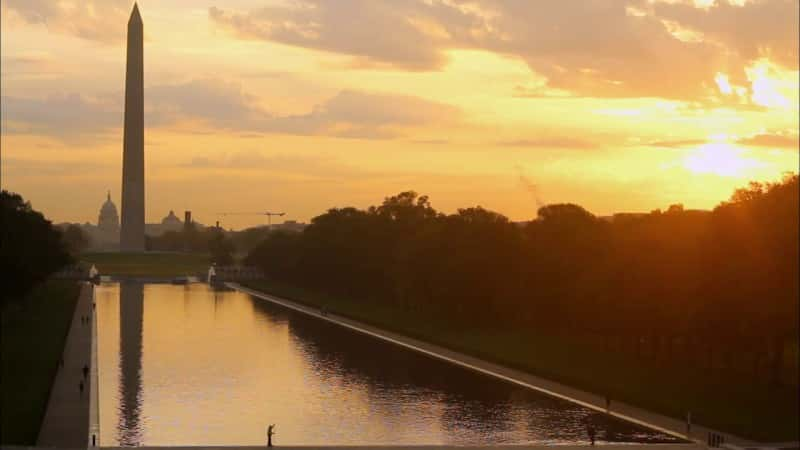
[(659, 422), (66, 421)]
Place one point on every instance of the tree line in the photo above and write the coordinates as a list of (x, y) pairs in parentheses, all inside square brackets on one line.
[(708, 289), (212, 241), (31, 248)]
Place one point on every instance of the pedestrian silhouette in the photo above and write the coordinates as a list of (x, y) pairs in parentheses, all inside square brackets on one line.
[(591, 431), (80, 387), (85, 371), (270, 432)]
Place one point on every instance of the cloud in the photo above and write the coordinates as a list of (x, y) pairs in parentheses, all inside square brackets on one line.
[(752, 30), (309, 167), (380, 32), (351, 114), (679, 143), (50, 168), (366, 115), (554, 142), (772, 141), (96, 20), (222, 105), (66, 116), (597, 48), (430, 141)]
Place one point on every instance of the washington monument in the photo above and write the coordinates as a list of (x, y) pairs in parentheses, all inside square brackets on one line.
[(132, 229)]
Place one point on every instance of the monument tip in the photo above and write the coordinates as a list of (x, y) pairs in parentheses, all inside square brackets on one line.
[(135, 13)]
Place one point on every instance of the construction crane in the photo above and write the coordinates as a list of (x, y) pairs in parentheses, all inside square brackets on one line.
[(269, 215)]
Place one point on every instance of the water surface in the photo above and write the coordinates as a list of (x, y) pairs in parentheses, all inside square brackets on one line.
[(187, 365)]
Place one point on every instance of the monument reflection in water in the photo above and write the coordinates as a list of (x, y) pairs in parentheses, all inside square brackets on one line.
[(185, 365), (131, 307)]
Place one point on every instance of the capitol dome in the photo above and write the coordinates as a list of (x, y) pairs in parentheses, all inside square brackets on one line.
[(108, 218), (171, 219)]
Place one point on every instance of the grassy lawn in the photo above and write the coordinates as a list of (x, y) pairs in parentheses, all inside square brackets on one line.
[(149, 264), (725, 401), (33, 335)]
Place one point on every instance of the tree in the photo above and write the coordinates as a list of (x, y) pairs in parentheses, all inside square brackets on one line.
[(682, 286), (221, 249), (75, 239), (31, 249)]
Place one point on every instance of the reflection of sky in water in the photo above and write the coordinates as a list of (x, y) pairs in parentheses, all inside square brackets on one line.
[(215, 368)]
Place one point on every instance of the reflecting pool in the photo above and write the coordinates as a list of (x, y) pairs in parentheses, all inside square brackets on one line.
[(190, 365)]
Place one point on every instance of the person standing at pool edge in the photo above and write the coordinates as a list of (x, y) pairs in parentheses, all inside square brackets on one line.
[(270, 432)]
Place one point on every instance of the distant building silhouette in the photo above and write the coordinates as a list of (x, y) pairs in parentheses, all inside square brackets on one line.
[(105, 235), (170, 222), (108, 220), (132, 230)]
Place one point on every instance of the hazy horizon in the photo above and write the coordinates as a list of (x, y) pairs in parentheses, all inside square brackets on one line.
[(254, 105)]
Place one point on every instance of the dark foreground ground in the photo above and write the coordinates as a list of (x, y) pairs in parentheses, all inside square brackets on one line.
[(33, 333), (423, 447)]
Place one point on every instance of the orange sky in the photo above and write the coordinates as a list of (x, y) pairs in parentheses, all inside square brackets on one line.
[(302, 105)]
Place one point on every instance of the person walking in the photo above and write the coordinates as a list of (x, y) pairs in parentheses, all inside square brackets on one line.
[(591, 431), (85, 371), (80, 387), (270, 432)]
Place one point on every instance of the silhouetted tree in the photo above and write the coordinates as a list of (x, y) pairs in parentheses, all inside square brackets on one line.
[(31, 249), (707, 288), (221, 248), (75, 239)]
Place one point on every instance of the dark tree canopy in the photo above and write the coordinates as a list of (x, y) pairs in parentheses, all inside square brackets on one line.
[(698, 286), (31, 249), (75, 239)]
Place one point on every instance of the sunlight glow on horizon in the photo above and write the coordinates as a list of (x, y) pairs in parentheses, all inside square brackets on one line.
[(720, 158), (236, 120)]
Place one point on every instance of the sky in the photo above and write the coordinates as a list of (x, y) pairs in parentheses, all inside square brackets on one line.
[(298, 106)]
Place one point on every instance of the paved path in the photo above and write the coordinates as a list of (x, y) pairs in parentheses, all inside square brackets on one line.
[(94, 386), (66, 420), (659, 422)]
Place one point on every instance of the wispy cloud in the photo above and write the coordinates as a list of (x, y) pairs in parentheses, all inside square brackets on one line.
[(552, 142), (95, 20), (222, 105), (783, 141), (677, 143)]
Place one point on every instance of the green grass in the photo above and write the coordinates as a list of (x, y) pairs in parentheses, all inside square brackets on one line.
[(33, 335), (722, 400), (148, 264)]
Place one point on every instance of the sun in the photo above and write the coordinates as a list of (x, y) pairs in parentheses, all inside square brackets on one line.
[(719, 158)]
